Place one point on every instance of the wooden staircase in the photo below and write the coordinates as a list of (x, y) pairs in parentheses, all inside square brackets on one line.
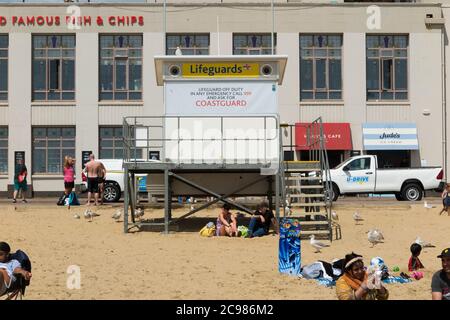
[(305, 198)]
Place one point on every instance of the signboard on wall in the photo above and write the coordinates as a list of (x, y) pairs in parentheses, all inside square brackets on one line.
[(19, 155), (337, 136), (221, 98), (390, 136)]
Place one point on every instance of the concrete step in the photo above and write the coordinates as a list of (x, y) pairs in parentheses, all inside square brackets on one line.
[(309, 232), (300, 170), (313, 223)]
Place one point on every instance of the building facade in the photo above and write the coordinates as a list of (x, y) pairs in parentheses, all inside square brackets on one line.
[(374, 72)]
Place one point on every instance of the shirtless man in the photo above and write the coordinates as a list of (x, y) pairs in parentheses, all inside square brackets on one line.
[(101, 180), (92, 169)]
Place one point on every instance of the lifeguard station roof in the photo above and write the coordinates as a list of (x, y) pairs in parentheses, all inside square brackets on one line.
[(167, 66)]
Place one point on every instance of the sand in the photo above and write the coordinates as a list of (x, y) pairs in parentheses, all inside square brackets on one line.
[(183, 265)]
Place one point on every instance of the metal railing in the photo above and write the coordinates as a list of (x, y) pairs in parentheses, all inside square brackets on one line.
[(207, 139)]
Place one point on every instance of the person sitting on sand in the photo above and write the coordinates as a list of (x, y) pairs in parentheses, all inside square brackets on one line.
[(352, 285), (414, 263), (8, 268), (226, 223), (440, 283), (261, 220)]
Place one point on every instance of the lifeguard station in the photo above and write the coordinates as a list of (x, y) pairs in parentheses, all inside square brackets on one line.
[(219, 136)]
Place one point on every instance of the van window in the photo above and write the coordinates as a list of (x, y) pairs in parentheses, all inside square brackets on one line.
[(359, 164)]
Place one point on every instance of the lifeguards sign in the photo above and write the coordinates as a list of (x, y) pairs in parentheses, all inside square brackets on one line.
[(221, 85)]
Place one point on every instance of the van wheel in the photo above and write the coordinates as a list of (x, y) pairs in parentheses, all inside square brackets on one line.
[(335, 192), (111, 193), (399, 197), (412, 192)]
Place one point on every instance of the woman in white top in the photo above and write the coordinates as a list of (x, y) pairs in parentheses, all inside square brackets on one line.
[(8, 268)]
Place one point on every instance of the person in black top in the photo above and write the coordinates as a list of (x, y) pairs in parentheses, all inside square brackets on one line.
[(440, 283), (20, 180), (260, 222)]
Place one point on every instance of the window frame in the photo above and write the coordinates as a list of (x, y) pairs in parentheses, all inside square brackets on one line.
[(114, 139), (46, 139), (113, 58), (5, 148), (314, 91), (248, 48), (47, 59), (5, 58), (195, 48), (380, 58)]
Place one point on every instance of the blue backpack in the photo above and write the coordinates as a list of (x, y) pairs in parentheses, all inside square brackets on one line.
[(72, 200)]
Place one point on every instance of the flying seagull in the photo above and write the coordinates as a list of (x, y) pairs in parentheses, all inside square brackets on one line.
[(316, 244)]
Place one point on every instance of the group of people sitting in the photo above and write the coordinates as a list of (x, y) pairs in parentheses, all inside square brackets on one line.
[(263, 218), (355, 283)]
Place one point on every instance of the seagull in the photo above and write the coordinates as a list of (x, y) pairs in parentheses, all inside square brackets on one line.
[(334, 216), (357, 217), (178, 52), (139, 213), (375, 236), (287, 211), (192, 208), (88, 214), (316, 244), (117, 215), (76, 216), (424, 244), (428, 206)]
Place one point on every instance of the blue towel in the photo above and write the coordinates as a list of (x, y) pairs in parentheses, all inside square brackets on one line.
[(392, 279), (326, 282)]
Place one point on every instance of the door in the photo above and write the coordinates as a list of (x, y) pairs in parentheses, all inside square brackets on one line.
[(359, 175)]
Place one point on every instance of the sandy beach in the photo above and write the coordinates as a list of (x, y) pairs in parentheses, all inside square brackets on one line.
[(184, 265)]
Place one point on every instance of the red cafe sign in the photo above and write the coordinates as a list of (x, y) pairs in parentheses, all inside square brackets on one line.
[(337, 136), (31, 21)]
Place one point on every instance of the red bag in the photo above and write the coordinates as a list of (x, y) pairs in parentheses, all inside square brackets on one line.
[(21, 177)]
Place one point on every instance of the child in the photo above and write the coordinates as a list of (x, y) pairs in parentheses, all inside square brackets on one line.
[(414, 262), (445, 199)]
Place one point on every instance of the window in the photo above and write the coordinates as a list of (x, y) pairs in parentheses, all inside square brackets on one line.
[(50, 146), (3, 68), (254, 44), (190, 44), (120, 67), (359, 164), (320, 67), (53, 67), (387, 67), (111, 143), (3, 150)]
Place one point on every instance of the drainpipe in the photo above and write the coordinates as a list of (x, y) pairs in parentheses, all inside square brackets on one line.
[(444, 104)]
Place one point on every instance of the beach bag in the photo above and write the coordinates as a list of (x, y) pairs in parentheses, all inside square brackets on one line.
[(209, 230), (61, 200), (72, 200), (243, 230)]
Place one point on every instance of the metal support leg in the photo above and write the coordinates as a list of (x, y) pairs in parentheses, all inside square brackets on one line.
[(270, 192), (126, 203), (170, 191), (277, 194), (167, 201)]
